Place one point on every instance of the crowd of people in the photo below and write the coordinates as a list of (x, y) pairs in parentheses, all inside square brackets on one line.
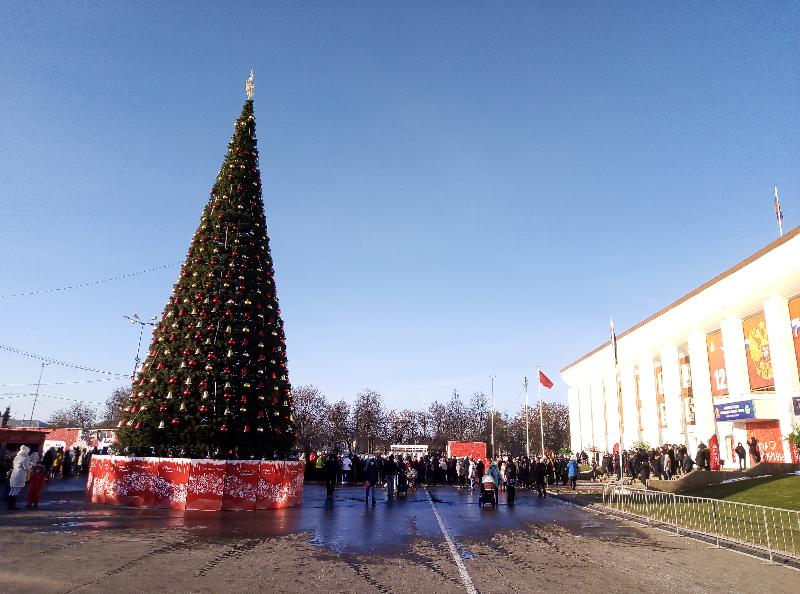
[(666, 462), (400, 473), (25, 467)]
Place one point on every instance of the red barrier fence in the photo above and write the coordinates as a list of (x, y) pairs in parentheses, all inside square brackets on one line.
[(186, 484)]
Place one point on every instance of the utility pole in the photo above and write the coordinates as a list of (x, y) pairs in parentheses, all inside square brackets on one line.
[(527, 421), (135, 319), (491, 377), (36, 396)]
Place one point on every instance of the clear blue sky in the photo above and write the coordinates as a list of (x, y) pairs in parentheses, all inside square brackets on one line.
[(452, 189)]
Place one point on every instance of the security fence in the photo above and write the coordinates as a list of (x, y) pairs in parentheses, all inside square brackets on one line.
[(770, 530)]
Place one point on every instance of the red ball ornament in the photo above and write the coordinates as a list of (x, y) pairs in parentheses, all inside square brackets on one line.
[(192, 363), (176, 421), (173, 381), (246, 429), (162, 408), (203, 409), (223, 429), (187, 392)]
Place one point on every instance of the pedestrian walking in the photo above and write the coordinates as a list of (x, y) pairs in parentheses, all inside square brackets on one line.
[(346, 465), (755, 451), (371, 475), (390, 475), (19, 474), (572, 473), (331, 469), (35, 485), (511, 481), (741, 454), (539, 476)]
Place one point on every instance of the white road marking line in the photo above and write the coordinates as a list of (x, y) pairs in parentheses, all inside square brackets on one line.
[(470, 587)]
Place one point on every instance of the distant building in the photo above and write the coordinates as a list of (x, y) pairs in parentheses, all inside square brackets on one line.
[(27, 423), (721, 360)]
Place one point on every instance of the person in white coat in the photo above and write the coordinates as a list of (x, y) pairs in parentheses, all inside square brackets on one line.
[(19, 475)]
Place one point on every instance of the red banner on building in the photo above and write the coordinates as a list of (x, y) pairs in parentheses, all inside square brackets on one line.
[(713, 450), (716, 364), (759, 362)]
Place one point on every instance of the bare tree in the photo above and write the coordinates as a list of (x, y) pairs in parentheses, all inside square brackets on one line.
[(456, 418), (339, 426), (78, 415), (112, 413), (478, 414), (310, 412), (369, 419)]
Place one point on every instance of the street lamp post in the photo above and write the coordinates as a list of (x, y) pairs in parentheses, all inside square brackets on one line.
[(36, 396), (491, 378), (135, 319)]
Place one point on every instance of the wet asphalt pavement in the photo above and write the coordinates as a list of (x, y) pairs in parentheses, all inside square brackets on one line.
[(445, 544), (345, 524)]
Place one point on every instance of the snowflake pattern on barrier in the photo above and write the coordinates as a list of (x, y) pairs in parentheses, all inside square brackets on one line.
[(236, 484), (206, 483), (129, 481)]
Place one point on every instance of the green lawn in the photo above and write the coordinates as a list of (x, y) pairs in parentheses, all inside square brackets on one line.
[(782, 492)]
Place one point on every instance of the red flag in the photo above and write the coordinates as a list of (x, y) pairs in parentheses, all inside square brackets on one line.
[(545, 381)]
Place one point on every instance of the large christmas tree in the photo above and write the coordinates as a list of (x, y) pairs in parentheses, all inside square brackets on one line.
[(215, 383)]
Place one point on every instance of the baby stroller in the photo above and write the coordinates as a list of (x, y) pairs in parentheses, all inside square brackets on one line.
[(488, 494), (402, 483)]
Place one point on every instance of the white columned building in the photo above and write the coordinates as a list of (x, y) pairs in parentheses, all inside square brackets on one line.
[(717, 366)]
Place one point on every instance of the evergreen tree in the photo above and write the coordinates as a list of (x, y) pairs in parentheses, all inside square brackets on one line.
[(215, 381)]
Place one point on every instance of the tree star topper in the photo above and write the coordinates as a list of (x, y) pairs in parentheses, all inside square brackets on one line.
[(249, 87)]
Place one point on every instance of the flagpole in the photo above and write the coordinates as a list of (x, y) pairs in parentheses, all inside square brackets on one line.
[(541, 419), (527, 422), (491, 377), (619, 396)]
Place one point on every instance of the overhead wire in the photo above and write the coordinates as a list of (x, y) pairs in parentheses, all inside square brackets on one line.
[(89, 283), (70, 383), (52, 361)]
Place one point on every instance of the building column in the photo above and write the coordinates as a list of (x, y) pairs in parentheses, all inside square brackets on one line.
[(585, 395), (735, 358), (599, 411), (670, 371), (701, 388), (647, 394), (629, 413), (612, 405), (574, 403), (784, 364)]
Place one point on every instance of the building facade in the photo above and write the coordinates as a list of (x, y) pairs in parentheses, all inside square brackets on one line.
[(722, 360)]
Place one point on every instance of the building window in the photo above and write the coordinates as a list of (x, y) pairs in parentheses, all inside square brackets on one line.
[(661, 404), (716, 364), (794, 314), (638, 399), (759, 361), (687, 397)]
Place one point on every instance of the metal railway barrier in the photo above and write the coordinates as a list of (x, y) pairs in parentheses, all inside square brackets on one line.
[(771, 530)]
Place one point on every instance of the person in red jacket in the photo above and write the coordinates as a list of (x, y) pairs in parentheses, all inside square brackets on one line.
[(35, 485)]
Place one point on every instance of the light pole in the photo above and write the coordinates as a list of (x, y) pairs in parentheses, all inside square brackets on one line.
[(491, 378), (36, 396), (135, 319)]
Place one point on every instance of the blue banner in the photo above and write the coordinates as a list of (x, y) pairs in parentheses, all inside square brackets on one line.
[(732, 411)]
